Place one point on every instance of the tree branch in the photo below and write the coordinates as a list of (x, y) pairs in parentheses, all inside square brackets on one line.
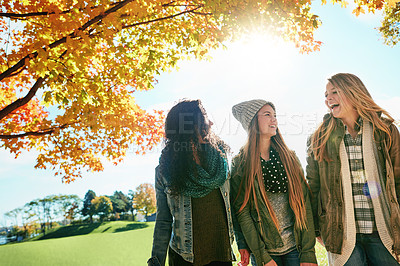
[(163, 18), (74, 34), (201, 13), (31, 133), (37, 14), (22, 101), (101, 16), (21, 63), (35, 133), (27, 15), (18, 72)]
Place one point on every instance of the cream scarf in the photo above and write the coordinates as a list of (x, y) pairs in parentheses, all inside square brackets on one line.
[(378, 196)]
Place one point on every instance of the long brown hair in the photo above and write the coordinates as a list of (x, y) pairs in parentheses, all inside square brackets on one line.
[(251, 165), (355, 91)]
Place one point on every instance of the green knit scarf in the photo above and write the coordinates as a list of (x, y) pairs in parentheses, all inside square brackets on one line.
[(206, 180)]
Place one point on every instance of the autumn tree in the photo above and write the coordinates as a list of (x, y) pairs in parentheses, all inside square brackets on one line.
[(390, 28), (69, 69), (71, 212), (144, 199), (102, 207)]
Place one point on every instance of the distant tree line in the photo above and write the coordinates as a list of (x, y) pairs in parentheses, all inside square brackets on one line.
[(39, 215)]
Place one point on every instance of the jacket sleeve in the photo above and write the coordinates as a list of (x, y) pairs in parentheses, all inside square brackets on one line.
[(313, 179), (307, 250), (239, 237), (246, 223), (163, 225), (308, 236), (394, 154)]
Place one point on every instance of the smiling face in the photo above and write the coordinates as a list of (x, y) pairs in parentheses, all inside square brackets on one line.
[(339, 105), (267, 121)]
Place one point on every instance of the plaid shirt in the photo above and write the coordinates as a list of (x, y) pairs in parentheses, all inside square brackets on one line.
[(363, 208)]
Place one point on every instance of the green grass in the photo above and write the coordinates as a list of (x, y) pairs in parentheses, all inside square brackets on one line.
[(95, 228), (109, 243)]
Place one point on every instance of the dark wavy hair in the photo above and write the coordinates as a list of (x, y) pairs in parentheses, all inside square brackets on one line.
[(187, 127)]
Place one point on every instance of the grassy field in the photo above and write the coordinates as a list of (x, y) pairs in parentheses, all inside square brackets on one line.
[(110, 243)]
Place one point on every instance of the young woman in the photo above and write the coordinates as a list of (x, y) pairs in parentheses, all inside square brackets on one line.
[(269, 194), (354, 173), (193, 211)]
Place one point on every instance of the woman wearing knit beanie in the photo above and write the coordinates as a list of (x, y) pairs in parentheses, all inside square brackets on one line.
[(193, 219), (269, 195), (354, 173)]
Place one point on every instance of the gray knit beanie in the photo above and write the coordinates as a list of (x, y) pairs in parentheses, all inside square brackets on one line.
[(245, 111)]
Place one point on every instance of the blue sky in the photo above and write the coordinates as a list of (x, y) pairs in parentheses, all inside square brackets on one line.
[(258, 68)]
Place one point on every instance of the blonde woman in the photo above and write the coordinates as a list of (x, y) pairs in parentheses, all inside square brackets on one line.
[(354, 173), (269, 194)]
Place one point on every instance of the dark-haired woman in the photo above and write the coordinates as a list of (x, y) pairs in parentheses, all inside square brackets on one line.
[(193, 219), (269, 194)]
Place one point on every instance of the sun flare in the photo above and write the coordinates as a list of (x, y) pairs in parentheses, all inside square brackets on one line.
[(261, 53)]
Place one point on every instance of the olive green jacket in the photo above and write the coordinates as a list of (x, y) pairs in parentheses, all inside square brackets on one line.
[(324, 179), (260, 234)]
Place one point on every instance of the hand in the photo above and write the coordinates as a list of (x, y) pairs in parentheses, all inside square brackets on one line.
[(308, 264), (271, 263), (319, 239), (244, 257)]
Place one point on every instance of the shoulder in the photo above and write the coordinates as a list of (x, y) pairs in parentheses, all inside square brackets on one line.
[(387, 121), (236, 167), (160, 177), (395, 135), (392, 126), (222, 146), (327, 117), (320, 129), (394, 131), (237, 160), (158, 172)]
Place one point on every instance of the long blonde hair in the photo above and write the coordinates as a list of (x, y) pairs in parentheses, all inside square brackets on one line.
[(251, 165), (357, 94)]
